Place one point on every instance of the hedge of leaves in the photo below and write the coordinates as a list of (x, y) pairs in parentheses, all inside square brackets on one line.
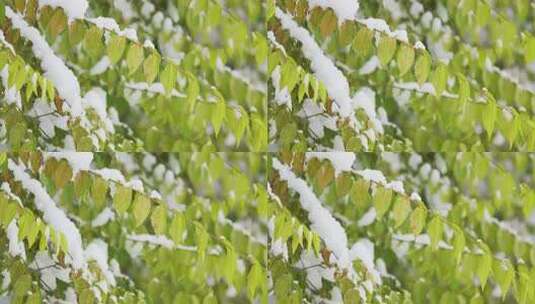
[(173, 88), (459, 81), (435, 228), (166, 236)]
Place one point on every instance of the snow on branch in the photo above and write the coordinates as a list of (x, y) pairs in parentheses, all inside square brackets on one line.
[(344, 9), (75, 9), (341, 161), (55, 69), (52, 215), (323, 68), (327, 227)]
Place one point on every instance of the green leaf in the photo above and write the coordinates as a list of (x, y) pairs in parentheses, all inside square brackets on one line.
[(405, 59), (22, 285), (381, 200), (76, 32), (489, 115), (459, 242), (141, 209), (62, 174), (86, 297), (218, 114), (359, 192), (201, 237), (484, 266), (151, 67), (435, 230), (352, 296), (363, 42), (2, 12), (115, 48), (422, 67), (177, 228), (192, 90), (209, 299), (464, 88), (57, 23), (168, 77), (134, 57), (328, 23), (122, 198), (344, 182), (99, 189), (417, 219), (401, 210), (261, 49), (439, 79), (7, 214), (386, 49), (158, 219), (482, 14), (93, 44), (347, 32), (529, 50), (503, 273), (254, 280)]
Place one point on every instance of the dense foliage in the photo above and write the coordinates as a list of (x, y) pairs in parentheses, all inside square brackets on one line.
[(401, 75), (133, 75), (132, 228), (402, 228), (134, 163)]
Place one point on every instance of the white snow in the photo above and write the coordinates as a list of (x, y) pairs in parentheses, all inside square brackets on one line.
[(125, 8), (378, 177), (103, 218), (98, 252), (415, 160), (52, 215), (317, 119), (282, 96), (77, 160), (364, 251), (315, 274), (49, 270), (419, 45), (334, 80), (375, 176), (11, 95), (370, 66), (380, 25), (111, 25), (322, 222), (341, 161), (159, 240), (368, 218), (47, 123), (96, 99), (416, 8), (101, 66), (394, 9), (74, 9), (55, 69), (16, 247), (364, 99), (344, 9)]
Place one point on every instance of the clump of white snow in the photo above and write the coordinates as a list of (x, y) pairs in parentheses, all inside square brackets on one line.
[(322, 222), (52, 215), (341, 161), (344, 9), (55, 69), (75, 9)]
